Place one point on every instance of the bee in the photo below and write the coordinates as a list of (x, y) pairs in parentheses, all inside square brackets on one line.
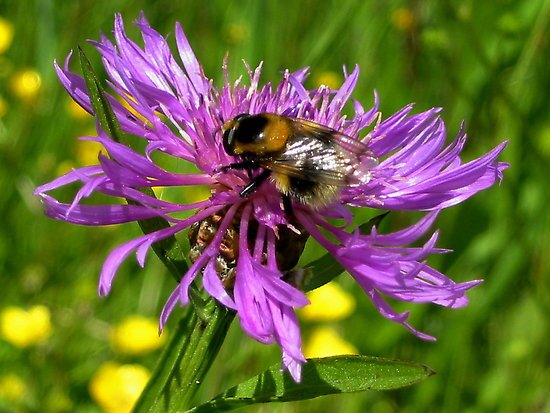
[(307, 162)]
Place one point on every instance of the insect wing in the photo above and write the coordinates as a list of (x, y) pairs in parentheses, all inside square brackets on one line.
[(320, 154)]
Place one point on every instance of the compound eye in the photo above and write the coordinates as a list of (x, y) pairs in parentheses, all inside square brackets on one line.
[(229, 141), (240, 116)]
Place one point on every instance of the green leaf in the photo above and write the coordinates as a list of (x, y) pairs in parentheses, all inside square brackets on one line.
[(168, 250), (103, 111), (373, 222), (331, 375), (323, 270)]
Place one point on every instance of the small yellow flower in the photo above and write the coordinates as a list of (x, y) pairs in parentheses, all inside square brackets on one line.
[(329, 302), (26, 84), (136, 335), (403, 19), (115, 387), (64, 167), (24, 328), (12, 388), (6, 34), (328, 78), (325, 342), (76, 111), (236, 33), (87, 152)]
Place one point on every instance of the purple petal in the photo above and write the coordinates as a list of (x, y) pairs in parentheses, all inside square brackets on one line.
[(213, 285)]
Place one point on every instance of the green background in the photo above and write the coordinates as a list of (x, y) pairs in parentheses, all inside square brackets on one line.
[(487, 63)]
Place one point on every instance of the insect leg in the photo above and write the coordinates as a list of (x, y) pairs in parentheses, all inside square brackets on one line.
[(287, 206), (240, 165), (255, 183)]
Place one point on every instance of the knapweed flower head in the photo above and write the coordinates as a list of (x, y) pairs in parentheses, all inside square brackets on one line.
[(243, 246)]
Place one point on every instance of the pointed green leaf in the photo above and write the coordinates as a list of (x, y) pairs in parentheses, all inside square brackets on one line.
[(331, 375), (373, 222), (103, 111), (168, 250), (323, 270)]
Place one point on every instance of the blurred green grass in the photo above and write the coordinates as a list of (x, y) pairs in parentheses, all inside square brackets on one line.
[(486, 63)]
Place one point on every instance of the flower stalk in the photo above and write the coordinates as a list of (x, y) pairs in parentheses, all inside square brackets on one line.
[(186, 359)]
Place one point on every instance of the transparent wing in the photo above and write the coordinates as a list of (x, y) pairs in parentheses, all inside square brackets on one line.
[(320, 154)]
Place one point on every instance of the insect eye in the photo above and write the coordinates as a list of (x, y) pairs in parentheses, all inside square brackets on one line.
[(240, 116), (228, 141), (250, 129)]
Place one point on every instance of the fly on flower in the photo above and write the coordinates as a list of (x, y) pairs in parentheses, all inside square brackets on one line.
[(307, 161), (319, 160)]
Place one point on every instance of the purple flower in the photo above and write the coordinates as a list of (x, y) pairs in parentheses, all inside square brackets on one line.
[(181, 115)]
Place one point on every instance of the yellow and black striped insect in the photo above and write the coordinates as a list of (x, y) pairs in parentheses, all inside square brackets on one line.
[(308, 162)]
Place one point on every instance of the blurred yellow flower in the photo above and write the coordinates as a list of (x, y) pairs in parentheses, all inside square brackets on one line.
[(12, 388), (64, 167), (329, 302), (403, 19), (76, 111), (6, 34), (115, 387), (87, 152), (3, 107), (325, 342), (136, 335), (24, 328), (328, 78), (25, 84), (236, 33)]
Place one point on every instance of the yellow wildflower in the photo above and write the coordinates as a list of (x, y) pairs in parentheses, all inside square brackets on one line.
[(115, 387), (26, 84), (24, 328), (403, 19), (328, 78), (12, 388), (325, 342), (76, 111), (87, 152), (236, 33), (329, 302), (6, 34), (136, 335)]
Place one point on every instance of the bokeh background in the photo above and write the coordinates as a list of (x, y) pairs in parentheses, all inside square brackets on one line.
[(64, 349)]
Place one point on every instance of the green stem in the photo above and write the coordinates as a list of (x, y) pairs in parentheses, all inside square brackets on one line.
[(186, 360)]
